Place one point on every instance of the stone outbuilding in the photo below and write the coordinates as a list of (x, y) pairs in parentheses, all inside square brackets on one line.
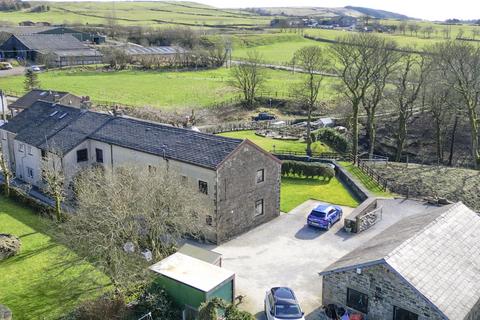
[(423, 267)]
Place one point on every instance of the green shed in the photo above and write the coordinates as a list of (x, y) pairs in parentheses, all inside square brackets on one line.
[(190, 281)]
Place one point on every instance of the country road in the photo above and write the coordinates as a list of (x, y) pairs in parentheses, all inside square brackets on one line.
[(12, 72)]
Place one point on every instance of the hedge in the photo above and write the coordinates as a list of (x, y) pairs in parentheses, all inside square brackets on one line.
[(334, 139), (307, 169)]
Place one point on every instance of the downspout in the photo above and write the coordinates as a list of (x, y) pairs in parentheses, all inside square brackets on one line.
[(111, 156)]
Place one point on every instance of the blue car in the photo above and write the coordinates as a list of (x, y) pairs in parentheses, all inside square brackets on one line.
[(324, 216)]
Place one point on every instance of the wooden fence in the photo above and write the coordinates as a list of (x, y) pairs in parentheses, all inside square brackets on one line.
[(364, 166)]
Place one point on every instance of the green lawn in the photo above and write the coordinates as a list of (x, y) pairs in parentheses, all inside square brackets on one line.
[(41, 282), (268, 143), (295, 191), (160, 89), (366, 180)]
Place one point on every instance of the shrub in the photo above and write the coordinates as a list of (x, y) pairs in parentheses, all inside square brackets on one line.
[(334, 139), (103, 308), (9, 245), (307, 169), (156, 301)]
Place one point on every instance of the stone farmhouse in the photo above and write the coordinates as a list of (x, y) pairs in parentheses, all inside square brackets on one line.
[(423, 267), (241, 180)]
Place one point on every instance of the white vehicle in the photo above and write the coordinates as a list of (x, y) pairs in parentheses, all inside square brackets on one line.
[(34, 68), (281, 304)]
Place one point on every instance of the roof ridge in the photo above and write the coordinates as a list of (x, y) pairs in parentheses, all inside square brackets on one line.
[(420, 231)]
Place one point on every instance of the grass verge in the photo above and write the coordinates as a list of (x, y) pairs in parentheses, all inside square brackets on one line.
[(45, 280), (366, 180)]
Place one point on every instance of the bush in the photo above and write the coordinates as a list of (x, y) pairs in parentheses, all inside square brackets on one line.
[(103, 308), (156, 301), (307, 169), (334, 139), (9, 245)]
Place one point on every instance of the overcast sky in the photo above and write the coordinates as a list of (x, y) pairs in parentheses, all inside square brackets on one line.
[(424, 9)]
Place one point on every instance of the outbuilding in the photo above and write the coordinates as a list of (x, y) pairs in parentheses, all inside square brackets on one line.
[(191, 282)]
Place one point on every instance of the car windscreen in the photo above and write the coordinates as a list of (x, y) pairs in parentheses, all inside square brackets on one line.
[(287, 311), (318, 214)]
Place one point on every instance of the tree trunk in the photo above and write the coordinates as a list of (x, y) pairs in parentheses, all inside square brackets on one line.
[(355, 131), (474, 128), (452, 141), (401, 136), (58, 208), (439, 140), (309, 130), (371, 132)]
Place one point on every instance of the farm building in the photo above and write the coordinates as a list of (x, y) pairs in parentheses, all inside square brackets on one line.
[(55, 49), (240, 180), (27, 100), (423, 267), (190, 282), (6, 32), (165, 53)]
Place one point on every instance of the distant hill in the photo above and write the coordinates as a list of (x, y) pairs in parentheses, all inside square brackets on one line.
[(379, 14), (323, 12)]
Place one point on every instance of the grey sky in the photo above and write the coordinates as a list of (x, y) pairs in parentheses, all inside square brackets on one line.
[(424, 9)]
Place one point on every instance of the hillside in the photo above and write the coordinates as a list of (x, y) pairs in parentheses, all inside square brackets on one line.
[(379, 14), (322, 12)]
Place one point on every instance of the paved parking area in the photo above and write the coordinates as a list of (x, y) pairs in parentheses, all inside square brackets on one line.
[(286, 252)]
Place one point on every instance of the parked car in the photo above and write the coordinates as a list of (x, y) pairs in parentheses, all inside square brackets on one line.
[(324, 216), (34, 68), (281, 303), (263, 116), (5, 66)]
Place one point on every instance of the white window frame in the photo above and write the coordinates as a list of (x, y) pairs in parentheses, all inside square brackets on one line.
[(21, 147), (30, 150), (262, 171)]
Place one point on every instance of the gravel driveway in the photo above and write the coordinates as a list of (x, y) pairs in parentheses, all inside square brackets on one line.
[(286, 252)]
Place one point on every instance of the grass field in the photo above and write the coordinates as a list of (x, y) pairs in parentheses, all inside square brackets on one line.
[(166, 90), (295, 191), (39, 282), (139, 13), (268, 143), (366, 180)]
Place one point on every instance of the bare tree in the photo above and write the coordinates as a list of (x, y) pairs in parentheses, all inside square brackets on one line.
[(54, 181), (407, 82), (248, 77), (460, 61), (413, 28), (311, 60), (359, 63), (123, 216), (7, 174), (387, 58), (402, 27)]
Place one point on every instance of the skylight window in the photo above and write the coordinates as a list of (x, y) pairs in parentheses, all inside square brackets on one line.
[(53, 113), (62, 116)]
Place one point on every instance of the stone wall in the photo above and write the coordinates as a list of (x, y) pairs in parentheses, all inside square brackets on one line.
[(377, 281), (238, 190)]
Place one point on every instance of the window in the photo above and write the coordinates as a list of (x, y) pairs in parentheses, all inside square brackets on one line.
[(82, 155), (260, 175), (21, 147), (30, 172), (209, 220), (402, 314), (259, 207), (4, 135), (99, 155), (29, 148), (357, 300), (203, 186)]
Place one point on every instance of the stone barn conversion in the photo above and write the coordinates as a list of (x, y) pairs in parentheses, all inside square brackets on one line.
[(241, 180), (423, 267), (27, 100)]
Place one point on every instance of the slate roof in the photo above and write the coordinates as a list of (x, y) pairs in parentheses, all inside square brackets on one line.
[(165, 50), (69, 126), (50, 42), (175, 143), (46, 95), (26, 29), (437, 253)]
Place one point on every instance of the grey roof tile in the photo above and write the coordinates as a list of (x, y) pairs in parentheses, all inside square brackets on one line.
[(434, 253)]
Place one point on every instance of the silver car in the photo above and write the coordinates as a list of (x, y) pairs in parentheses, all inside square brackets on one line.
[(281, 304)]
